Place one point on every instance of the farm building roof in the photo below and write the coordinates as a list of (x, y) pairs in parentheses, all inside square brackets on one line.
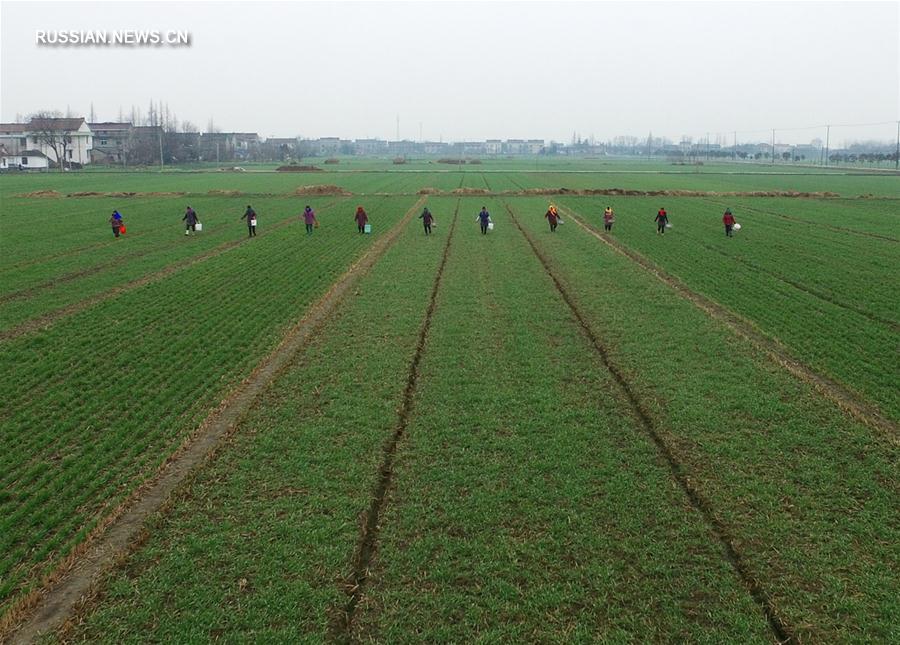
[(9, 128), (55, 124), (110, 126)]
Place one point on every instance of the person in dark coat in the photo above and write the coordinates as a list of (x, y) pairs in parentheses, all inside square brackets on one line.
[(485, 219), (190, 220), (427, 220), (728, 221), (662, 218), (115, 220), (361, 219), (250, 216)]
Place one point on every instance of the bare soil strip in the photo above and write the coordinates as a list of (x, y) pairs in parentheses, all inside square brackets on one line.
[(342, 621), (831, 227), (850, 402), (779, 628), (46, 609)]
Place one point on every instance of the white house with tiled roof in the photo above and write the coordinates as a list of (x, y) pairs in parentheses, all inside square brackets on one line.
[(17, 137), (23, 160)]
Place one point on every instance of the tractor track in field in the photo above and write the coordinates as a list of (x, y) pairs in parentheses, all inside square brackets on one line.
[(797, 220), (69, 588), (341, 621), (850, 402), (782, 632), (46, 320), (486, 183)]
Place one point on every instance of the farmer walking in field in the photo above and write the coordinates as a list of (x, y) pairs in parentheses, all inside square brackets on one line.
[(662, 219), (427, 220), (552, 216), (608, 218), (361, 219), (250, 216), (190, 220), (728, 221), (309, 217), (485, 218), (115, 220)]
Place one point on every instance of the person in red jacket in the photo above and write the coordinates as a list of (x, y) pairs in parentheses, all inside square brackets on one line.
[(361, 219), (662, 218), (552, 216), (728, 220)]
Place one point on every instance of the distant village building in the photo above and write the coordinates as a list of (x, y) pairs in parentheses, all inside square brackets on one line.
[(40, 135), (229, 146), (24, 160), (111, 141)]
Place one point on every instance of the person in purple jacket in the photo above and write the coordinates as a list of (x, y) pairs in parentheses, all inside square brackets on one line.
[(427, 220), (190, 220), (309, 217)]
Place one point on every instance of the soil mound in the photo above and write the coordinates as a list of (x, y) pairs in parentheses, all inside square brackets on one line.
[(41, 193), (321, 189), (225, 193), (471, 191), (298, 169), (428, 190)]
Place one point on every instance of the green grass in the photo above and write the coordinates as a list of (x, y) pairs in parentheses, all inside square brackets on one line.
[(106, 394), (529, 503), (280, 506), (827, 295)]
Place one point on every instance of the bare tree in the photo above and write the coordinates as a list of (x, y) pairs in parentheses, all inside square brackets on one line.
[(47, 131)]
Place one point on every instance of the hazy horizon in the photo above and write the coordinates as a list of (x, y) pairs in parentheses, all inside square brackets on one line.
[(457, 71)]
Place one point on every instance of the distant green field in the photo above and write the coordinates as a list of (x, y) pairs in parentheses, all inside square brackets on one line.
[(574, 450)]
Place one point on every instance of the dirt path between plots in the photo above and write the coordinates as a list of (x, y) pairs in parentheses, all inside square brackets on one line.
[(782, 632), (44, 321), (47, 609), (848, 401), (341, 620)]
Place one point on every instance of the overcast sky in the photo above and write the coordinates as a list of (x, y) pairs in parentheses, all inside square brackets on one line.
[(472, 70)]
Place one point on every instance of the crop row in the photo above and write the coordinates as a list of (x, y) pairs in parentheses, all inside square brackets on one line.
[(96, 402), (257, 543), (527, 505), (822, 325), (805, 493)]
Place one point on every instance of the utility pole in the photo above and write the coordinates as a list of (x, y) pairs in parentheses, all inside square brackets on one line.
[(773, 146), (707, 147), (160, 150), (217, 152), (827, 136), (734, 147), (897, 151), (649, 144)]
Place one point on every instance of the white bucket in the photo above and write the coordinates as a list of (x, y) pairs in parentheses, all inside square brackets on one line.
[(253, 222), (490, 226), (367, 228), (198, 227), (737, 226)]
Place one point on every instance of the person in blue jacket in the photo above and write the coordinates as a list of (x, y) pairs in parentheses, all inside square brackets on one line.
[(485, 218)]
